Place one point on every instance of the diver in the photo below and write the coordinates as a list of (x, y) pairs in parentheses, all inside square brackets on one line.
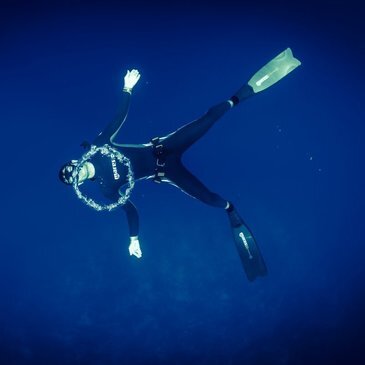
[(160, 161)]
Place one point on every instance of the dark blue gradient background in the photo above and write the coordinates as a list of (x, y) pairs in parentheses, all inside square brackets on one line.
[(290, 158)]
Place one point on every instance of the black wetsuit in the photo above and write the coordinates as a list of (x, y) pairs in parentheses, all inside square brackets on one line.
[(159, 160)]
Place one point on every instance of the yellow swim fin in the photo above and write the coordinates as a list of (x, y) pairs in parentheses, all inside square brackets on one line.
[(273, 71)]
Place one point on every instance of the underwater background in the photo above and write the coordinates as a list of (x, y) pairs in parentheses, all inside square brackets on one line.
[(291, 159)]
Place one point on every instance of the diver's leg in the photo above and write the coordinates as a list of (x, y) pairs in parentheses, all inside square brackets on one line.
[(184, 137), (179, 176), (272, 72), (248, 250)]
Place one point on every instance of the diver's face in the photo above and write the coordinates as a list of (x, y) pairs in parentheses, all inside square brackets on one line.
[(83, 174)]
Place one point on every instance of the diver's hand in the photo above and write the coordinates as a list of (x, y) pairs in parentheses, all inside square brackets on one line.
[(134, 248), (130, 80)]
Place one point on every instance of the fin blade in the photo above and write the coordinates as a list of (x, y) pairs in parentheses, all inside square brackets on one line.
[(249, 252)]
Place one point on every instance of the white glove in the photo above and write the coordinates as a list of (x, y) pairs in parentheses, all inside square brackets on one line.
[(134, 248), (130, 79)]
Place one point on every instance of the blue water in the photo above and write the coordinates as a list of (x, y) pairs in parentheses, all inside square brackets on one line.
[(291, 159)]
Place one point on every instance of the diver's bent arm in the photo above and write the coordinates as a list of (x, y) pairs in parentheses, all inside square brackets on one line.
[(111, 130)]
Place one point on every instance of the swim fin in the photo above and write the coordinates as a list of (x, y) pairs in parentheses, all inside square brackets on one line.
[(273, 71), (249, 252)]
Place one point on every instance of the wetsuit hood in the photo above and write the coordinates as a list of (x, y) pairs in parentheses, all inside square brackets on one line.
[(67, 172)]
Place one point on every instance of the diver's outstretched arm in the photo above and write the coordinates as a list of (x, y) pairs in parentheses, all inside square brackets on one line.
[(109, 133)]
